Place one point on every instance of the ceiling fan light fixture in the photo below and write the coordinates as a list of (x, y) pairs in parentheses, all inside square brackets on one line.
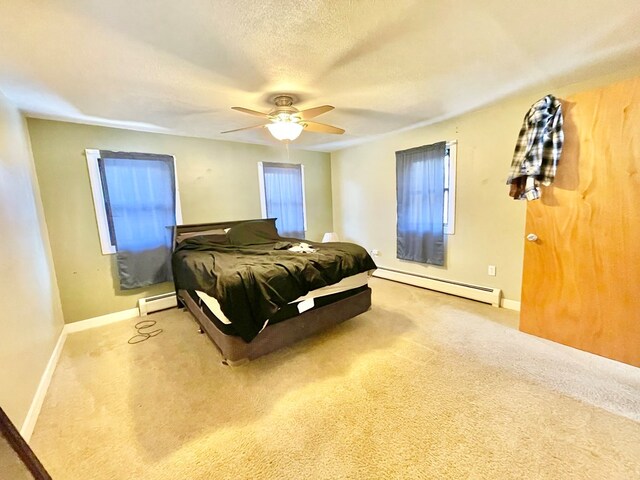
[(285, 122), (285, 130)]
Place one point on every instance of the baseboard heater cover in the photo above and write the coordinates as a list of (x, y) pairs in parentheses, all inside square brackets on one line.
[(156, 303), (473, 292)]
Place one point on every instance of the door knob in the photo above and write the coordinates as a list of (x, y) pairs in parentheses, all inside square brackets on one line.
[(532, 237)]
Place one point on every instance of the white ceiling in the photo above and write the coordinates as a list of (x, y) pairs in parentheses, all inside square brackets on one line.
[(178, 66)]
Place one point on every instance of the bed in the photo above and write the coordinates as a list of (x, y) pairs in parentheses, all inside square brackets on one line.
[(252, 291)]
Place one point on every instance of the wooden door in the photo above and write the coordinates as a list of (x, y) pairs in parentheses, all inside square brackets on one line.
[(581, 280)]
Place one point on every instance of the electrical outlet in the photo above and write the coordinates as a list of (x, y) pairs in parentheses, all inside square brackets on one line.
[(375, 253), (491, 270)]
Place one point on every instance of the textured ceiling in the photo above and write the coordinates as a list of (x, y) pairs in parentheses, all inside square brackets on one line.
[(178, 66)]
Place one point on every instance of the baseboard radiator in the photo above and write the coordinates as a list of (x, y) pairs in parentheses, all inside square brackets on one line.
[(473, 292), (156, 303)]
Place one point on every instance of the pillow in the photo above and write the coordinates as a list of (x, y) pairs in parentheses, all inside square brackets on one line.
[(217, 235), (253, 232)]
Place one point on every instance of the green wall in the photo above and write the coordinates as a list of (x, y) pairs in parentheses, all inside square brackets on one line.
[(217, 180)]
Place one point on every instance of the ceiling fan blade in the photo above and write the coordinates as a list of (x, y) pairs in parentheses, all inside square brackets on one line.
[(250, 112), (245, 128), (314, 112), (321, 128)]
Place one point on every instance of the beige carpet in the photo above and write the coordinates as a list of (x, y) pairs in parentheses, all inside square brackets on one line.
[(422, 386)]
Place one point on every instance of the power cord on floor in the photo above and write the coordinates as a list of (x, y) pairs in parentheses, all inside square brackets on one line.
[(142, 335)]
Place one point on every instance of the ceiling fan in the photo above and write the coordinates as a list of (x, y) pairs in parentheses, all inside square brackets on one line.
[(286, 122)]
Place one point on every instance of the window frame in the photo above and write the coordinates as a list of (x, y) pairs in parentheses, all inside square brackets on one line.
[(263, 196), (450, 206), (97, 194)]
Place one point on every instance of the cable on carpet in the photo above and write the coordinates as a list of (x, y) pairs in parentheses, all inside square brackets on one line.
[(143, 335)]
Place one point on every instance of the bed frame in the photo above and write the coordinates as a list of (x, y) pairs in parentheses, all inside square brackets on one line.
[(235, 351)]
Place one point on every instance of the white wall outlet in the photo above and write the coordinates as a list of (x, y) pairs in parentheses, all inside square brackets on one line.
[(375, 253), (491, 270)]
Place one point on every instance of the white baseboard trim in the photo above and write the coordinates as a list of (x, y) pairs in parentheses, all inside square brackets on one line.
[(38, 399), (510, 304), (36, 404), (473, 292), (101, 320)]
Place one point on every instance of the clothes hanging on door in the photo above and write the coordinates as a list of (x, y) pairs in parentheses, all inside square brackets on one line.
[(538, 149)]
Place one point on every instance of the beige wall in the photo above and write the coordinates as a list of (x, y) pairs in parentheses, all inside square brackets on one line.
[(30, 313), (489, 227), (217, 181)]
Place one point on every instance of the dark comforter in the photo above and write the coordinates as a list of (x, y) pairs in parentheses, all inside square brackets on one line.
[(252, 282)]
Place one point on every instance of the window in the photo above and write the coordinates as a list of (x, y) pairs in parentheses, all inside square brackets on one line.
[(282, 197), (143, 186), (426, 201), (136, 202)]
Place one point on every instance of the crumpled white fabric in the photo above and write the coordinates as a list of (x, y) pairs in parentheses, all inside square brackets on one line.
[(302, 247)]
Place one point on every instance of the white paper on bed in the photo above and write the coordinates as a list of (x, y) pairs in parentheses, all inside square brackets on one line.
[(306, 301), (305, 305)]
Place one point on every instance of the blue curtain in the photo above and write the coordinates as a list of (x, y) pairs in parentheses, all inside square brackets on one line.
[(283, 197), (420, 190), (140, 200)]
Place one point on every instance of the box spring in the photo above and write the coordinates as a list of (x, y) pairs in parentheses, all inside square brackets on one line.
[(236, 351)]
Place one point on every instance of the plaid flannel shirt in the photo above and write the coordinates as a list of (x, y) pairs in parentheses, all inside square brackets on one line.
[(538, 149)]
